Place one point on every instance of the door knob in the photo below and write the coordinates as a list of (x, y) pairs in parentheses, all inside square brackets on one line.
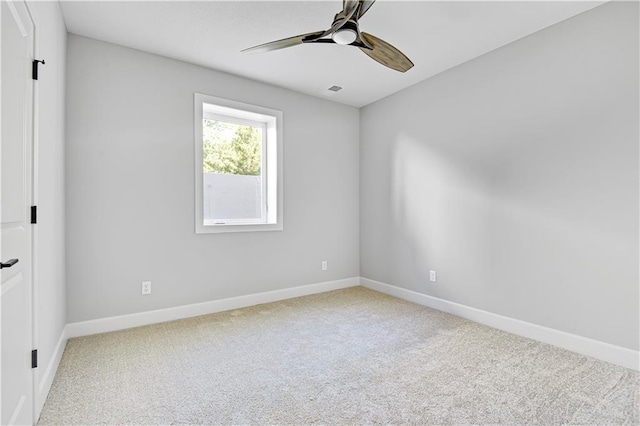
[(8, 264)]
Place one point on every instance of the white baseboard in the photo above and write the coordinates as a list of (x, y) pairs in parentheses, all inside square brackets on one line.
[(46, 379), (625, 357), (121, 322)]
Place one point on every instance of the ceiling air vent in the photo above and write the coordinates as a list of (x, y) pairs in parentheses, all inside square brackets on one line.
[(334, 88)]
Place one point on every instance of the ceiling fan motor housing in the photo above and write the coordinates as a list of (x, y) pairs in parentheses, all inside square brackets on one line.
[(347, 34)]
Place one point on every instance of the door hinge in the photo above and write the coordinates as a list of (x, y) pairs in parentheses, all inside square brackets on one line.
[(34, 358), (34, 214), (34, 68)]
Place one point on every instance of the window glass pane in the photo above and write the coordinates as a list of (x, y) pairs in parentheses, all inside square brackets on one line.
[(232, 171)]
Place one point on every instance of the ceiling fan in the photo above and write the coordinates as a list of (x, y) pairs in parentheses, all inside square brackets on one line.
[(345, 31)]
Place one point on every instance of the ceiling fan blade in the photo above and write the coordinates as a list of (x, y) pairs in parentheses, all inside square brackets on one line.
[(285, 42), (349, 6), (386, 54), (364, 6), (349, 9)]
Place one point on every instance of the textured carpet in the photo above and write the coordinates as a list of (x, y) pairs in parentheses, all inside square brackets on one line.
[(348, 356)]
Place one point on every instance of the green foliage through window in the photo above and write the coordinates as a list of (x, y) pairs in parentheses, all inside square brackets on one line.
[(230, 148)]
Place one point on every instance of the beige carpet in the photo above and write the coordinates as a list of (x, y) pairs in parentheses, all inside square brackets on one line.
[(350, 356)]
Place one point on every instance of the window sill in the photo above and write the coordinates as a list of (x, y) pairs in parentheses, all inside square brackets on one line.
[(226, 228)]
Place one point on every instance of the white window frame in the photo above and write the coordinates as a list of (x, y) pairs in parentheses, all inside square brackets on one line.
[(206, 106)]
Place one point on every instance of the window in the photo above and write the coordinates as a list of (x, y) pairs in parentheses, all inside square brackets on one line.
[(238, 161)]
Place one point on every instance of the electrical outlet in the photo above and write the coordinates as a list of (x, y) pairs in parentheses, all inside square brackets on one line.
[(146, 287), (325, 266), (432, 276)]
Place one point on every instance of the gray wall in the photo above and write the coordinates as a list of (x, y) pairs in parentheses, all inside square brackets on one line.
[(515, 177), (50, 303), (130, 187)]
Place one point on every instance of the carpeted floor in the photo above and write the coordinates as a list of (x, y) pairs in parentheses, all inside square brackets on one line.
[(350, 356)]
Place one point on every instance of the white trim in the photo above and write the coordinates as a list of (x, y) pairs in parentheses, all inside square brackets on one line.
[(121, 322), (47, 377), (619, 355)]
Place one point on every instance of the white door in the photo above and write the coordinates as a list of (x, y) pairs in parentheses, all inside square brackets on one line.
[(16, 375)]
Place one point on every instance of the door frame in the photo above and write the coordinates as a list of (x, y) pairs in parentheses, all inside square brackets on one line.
[(32, 252)]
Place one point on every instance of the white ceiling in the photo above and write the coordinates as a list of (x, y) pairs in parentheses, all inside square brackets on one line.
[(436, 35)]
